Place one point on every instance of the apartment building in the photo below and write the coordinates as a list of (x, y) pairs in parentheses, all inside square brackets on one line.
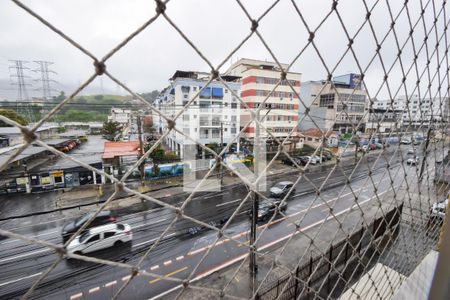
[(422, 111), (213, 117), (383, 121), (259, 78), (328, 100)]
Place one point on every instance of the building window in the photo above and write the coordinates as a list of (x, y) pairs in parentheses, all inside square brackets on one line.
[(233, 119), (233, 129), (185, 96), (226, 91), (194, 88), (225, 129), (233, 105), (185, 117), (226, 104), (327, 101), (186, 131)]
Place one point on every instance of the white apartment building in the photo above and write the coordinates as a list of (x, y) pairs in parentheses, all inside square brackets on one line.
[(258, 79), (422, 111), (213, 117), (327, 102), (122, 116)]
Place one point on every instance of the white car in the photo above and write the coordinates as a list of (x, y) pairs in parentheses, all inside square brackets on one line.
[(405, 141), (317, 158), (438, 210), (413, 161), (411, 151), (312, 160), (101, 237)]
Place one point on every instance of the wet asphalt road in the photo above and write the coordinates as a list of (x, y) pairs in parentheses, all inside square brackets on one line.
[(179, 252)]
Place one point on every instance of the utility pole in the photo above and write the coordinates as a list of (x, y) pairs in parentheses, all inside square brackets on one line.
[(43, 69), (256, 144), (221, 149), (141, 150)]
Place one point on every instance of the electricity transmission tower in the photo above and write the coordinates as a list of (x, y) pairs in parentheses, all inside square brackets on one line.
[(43, 69), (20, 79)]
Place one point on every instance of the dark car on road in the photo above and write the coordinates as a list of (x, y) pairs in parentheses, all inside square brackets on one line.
[(290, 162), (280, 189), (104, 217), (267, 208)]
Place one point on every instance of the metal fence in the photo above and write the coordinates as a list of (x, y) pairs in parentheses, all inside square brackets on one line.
[(340, 256), (418, 31)]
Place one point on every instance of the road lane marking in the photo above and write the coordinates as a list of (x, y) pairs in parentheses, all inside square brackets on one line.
[(284, 218), (168, 275), (241, 257), (154, 268), (32, 236), (152, 240), (180, 257), (212, 196), (166, 263), (76, 296), (19, 279), (229, 202), (23, 255), (142, 225), (93, 290), (111, 283), (126, 278)]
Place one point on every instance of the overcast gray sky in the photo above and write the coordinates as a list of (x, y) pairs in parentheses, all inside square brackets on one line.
[(215, 26)]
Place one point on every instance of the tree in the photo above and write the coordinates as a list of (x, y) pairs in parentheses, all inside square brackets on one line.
[(150, 97), (111, 130), (158, 154), (12, 115), (60, 97), (81, 100)]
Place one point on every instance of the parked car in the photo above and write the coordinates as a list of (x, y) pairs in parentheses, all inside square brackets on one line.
[(304, 160), (290, 162), (101, 237), (411, 151), (104, 217), (280, 189), (364, 148), (405, 141), (437, 212), (267, 208), (328, 155), (379, 145), (311, 159), (413, 161), (318, 159), (373, 147)]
